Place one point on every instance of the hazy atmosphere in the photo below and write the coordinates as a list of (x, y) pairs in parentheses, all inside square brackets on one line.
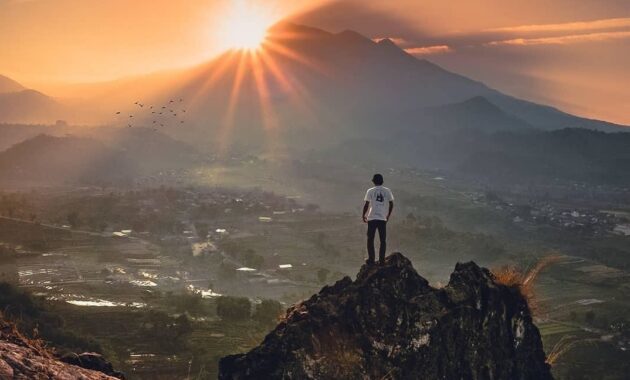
[(244, 189), (582, 45)]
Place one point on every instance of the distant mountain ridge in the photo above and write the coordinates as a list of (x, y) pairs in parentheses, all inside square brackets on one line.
[(340, 79), (9, 85), (475, 113), (103, 156), (19, 104), (325, 87)]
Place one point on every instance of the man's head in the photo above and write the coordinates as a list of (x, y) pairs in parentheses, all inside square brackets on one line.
[(377, 179)]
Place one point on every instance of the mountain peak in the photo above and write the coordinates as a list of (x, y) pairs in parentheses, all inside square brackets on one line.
[(390, 322)]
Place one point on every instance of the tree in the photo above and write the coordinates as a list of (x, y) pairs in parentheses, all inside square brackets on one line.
[(267, 311), (251, 259), (236, 308)]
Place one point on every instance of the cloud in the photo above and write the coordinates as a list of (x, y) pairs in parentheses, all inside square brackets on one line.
[(397, 40), (562, 40), (429, 50), (612, 23), (412, 47)]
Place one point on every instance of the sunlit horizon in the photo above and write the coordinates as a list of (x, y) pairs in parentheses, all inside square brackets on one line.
[(570, 60)]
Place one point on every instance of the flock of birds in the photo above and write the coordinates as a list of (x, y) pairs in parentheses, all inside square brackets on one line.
[(159, 116)]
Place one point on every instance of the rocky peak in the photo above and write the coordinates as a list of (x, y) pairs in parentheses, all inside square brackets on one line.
[(390, 323)]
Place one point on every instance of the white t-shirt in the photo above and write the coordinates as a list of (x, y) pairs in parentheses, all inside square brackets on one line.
[(379, 198)]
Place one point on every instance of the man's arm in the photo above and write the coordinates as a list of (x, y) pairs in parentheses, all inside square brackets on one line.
[(366, 207), (391, 208)]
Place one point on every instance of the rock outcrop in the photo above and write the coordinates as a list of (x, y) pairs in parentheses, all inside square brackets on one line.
[(93, 361), (390, 324), (22, 359)]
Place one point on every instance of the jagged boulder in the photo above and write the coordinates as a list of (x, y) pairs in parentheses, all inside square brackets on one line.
[(390, 324), (22, 359), (93, 361)]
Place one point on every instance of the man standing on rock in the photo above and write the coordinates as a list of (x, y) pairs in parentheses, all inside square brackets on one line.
[(379, 204)]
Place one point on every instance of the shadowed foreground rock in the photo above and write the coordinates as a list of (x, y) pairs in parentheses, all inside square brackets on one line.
[(390, 324), (22, 360)]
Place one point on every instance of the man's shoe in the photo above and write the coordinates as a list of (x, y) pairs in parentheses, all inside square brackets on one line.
[(381, 263), (369, 262)]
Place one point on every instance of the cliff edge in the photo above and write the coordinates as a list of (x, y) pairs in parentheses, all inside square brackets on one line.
[(390, 324), (24, 359)]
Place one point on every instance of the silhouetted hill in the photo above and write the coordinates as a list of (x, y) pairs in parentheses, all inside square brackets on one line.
[(568, 154), (116, 156), (389, 323), (11, 134), (313, 88), (475, 113), (29, 106), (524, 156), (9, 85), (550, 118), (47, 159)]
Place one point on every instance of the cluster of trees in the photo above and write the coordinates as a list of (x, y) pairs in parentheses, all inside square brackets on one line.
[(164, 329), (247, 256), (431, 233), (240, 309)]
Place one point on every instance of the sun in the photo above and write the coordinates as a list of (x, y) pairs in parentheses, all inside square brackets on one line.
[(245, 25)]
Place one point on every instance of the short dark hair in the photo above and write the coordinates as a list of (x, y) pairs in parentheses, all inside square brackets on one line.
[(377, 179)]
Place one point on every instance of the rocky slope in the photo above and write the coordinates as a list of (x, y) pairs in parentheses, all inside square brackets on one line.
[(390, 324), (21, 359)]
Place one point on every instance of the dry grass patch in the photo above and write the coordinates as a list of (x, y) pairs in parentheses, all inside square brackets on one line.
[(524, 278)]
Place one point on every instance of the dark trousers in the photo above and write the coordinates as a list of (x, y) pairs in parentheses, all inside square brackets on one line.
[(373, 226)]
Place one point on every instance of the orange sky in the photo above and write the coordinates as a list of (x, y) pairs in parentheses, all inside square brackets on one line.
[(568, 53)]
